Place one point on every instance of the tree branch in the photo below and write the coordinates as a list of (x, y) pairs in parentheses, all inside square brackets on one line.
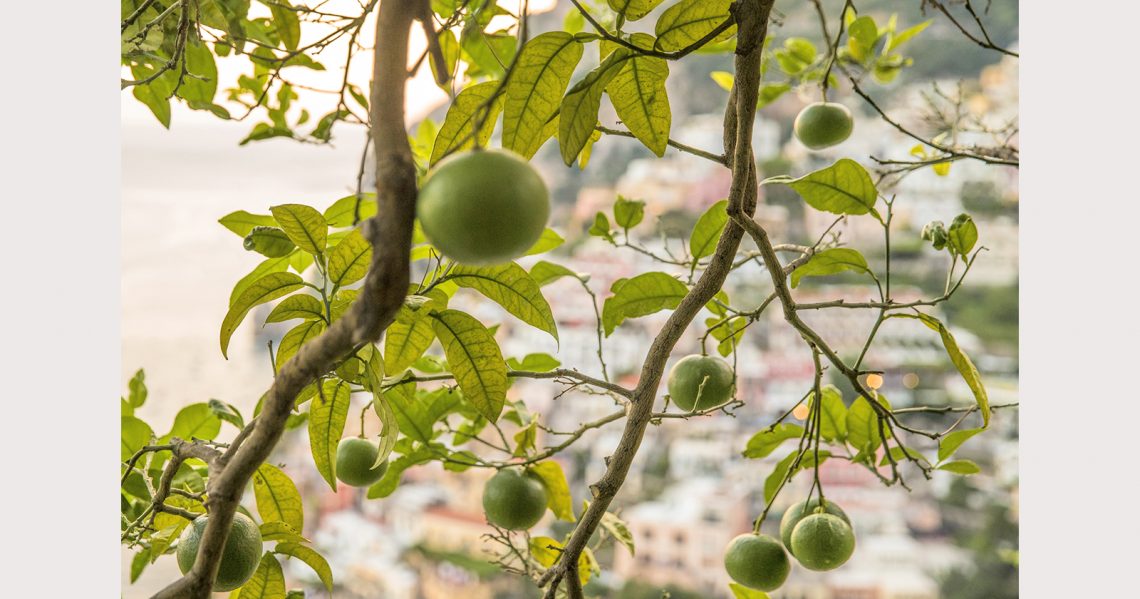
[(390, 233)]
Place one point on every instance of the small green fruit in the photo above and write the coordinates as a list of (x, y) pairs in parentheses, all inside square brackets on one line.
[(688, 375), (514, 500), (354, 459), (757, 562), (823, 124), (822, 542), (240, 555), (483, 206), (802, 510)]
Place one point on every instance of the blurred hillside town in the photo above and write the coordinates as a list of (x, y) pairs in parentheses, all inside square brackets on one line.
[(690, 490)]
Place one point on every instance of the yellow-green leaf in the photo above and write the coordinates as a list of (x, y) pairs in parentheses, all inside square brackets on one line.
[(456, 133), (950, 443), (642, 295), (327, 414), (301, 305), (342, 213), (842, 188), (277, 497), (512, 287), (296, 337), (633, 10), (578, 114), (557, 490), (242, 222), (195, 421), (639, 97), (134, 434), (549, 240), (830, 261), (964, 467), (961, 361), (475, 360), (706, 233), (687, 21), (265, 289), (310, 556), (268, 581), (304, 225), (349, 260), (534, 92), (766, 441)]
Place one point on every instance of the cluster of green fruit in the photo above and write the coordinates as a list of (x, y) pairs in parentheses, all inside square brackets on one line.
[(819, 537)]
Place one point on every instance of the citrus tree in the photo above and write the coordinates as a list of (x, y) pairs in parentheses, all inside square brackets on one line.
[(459, 213)]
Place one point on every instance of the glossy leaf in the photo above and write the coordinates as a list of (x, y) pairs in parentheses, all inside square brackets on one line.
[(534, 91), (277, 497), (196, 421), (842, 188), (304, 225), (512, 287), (265, 289), (456, 132), (830, 261), (328, 412), (640, 296), (475, 359)]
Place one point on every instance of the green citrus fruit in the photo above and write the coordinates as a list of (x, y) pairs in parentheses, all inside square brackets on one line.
[(514, 500), (822, 542), (354, 459), (708, 377), (240, 556), (757, 562), (483, 206), (800, 511), (823, 124)]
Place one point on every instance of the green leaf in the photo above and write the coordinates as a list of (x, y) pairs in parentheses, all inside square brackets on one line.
[(601, 227), (280, 532), (639, 97), (687, 21), (195, 421), (242, 222), (475, 359), (134, 434), (863, 426), (628, 213), (154, 94), (136, 389), (395, 470), (310, 556), (301, 305), (544, 272), (557, 490), (898, 39), (770, 92), (268, 241), (766, 441), (740, 591), (406, 339), (304, 225), (349, 260), (327, 414), (578, 114), (549, 240), (772, 483), (342, 213), (268, 581), (842, 188), (277, 497), (963, 234), (535, 363), (265, 289), (268, 266), (830, 261), (633, 10), (950, 443), (285, 23), (833, 418), (534, 91), (961, 361), (706, 233), (296, 337), (642, 295), (963, 467), (226, 412), (861, 37), (139, 562), (619, 530), (456, 132), (512, 287)]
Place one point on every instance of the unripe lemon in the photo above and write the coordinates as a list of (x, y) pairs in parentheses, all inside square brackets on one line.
[(514, 500), (354, 459), (802, 510), (822, 542), (757, 562), (240, 555), (483, 206), (823, 124), (690, 373)]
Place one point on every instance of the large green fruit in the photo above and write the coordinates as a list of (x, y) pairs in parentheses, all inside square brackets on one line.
[(687, 376), (802, 510), (240, 556), (823, 124), (514, 500), (483, 206), (757, 562), (354, 459), (822, 542)]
